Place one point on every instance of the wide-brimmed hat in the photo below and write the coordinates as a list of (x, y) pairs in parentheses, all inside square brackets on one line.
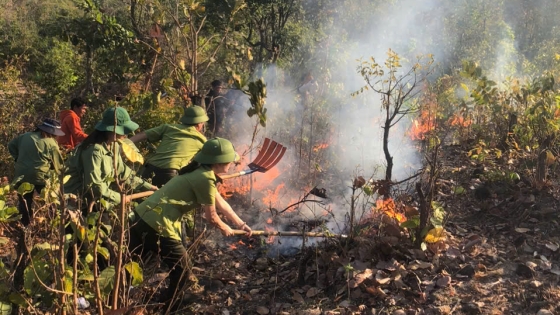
[(116, 119), (51, 126), (194, 115), (216, 151)]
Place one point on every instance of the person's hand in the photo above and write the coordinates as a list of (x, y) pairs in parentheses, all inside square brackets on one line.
[(154, 188), (247, 229), (226, 230)]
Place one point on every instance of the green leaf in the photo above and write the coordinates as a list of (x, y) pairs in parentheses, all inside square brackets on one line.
[(103, 251), (5, 308), (411, 223), (368, 190), (106, 279), (16, 298), (438, 215), (39, 268), (136, 272), (68, 281), (459, 190), (25, 188)]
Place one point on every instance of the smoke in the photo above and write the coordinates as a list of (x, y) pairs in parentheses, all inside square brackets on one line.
[(302, 116)]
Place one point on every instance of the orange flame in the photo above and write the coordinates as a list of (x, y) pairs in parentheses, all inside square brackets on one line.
[(422, 126), (270, 238), (460, 121), (389, 208), (320, 146)]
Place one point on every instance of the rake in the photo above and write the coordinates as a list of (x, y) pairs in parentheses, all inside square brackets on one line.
[(270, 154)]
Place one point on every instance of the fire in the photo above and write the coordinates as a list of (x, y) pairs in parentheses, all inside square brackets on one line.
[(389, 208), (320, 146), (242, 184), (270, 238), (458, 120), (272, 198), (423, 125)]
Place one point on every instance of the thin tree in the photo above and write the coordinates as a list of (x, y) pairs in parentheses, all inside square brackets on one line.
[(398, 89)]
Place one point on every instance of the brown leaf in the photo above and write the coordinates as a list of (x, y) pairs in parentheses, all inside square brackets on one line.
[(298, 298), (443, 281), (312, 292), (262, 310), (410, 211), (419, 265), (359, 278), (381, 277), (359, 182)]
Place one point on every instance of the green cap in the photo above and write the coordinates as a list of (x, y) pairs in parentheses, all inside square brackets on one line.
[(119, 115), (194, 115), (216, 151)]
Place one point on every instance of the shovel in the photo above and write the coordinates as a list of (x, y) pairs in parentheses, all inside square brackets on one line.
[(270, 154)]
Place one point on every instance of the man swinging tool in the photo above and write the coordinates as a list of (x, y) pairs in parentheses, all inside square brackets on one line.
[(179, 143)]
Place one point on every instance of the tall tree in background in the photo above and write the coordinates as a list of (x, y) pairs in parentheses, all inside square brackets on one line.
[(182, 42)]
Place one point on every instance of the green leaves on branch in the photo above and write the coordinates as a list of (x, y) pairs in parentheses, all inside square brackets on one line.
[(256, 90)]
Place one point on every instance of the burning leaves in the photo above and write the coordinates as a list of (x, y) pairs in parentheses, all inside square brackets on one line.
[(390, 209)]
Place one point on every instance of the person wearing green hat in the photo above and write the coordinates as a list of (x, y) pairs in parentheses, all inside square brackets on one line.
[(157, 226), (35, 154), (97, 160), (179, 143)]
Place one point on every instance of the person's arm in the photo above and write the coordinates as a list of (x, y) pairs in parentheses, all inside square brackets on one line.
[(212, 216), (76, 129), (139, 137), (225, 209)]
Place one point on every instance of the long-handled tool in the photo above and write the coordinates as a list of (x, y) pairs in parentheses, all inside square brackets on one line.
[(289, 233), (270, 154), (141, 194)]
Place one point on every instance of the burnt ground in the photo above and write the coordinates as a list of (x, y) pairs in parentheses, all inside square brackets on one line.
[(500, 256)]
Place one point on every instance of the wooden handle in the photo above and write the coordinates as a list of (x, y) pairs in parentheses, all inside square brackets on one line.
[(289, 233), (141, 195), (228, 176)]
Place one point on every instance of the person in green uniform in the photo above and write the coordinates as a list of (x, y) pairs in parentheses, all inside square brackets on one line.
[(97, 161), (179, 143), (157, 226), (35, 153)]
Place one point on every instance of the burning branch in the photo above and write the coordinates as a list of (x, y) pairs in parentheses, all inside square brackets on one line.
[(321, 192)]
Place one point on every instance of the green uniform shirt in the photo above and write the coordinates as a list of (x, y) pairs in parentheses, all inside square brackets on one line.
[(93, 167), (179, 143), (163, 210), (35, 156)]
